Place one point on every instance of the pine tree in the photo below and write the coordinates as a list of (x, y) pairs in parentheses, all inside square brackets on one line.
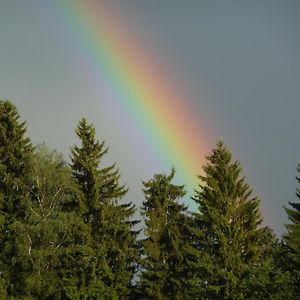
[(165, 247), (228, 237), (292, 237), (15, 170), (112, 236)]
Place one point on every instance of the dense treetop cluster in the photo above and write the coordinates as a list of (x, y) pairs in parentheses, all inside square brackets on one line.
[(67, 233)]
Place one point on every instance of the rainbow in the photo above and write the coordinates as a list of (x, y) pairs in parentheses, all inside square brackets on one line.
[(141, 85)]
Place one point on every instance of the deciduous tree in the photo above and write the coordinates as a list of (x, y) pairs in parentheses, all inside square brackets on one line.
[(45, 228)]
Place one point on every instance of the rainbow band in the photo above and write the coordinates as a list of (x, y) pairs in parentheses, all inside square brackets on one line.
[(145, 91)]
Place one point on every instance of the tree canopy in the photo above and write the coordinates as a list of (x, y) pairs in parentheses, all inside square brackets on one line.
[(165, 247), (67, 230)]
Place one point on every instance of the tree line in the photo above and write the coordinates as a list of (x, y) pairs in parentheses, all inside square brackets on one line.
[(67, 233)]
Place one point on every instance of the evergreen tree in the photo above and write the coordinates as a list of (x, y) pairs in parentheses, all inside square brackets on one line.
[(227, 234), (165, 248), (112, 236), (292, 238), (269, 278), (15, 166)]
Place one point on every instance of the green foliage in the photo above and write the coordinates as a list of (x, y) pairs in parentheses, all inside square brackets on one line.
[(45, 228), (66, 233), (15, 170), (165, 247), (111, 231), (269, 279), (228, 237), (292, 238)]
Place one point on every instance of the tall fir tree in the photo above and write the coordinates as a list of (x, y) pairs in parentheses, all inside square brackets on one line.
[(112, 234), (292, 237), (227, 236), (165, 260), (15, 170)]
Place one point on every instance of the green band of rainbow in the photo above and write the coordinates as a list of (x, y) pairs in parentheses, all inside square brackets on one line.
[(146, 93)]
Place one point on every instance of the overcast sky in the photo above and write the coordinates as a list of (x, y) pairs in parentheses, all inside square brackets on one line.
[(240, 60)]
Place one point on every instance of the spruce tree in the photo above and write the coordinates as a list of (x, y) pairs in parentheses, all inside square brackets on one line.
[(15, 170), (112, 236), (269, 278), (165, 252), (228, 237), (292, 237)]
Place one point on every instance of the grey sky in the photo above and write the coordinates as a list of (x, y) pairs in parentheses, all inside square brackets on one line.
[(240, 60)]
